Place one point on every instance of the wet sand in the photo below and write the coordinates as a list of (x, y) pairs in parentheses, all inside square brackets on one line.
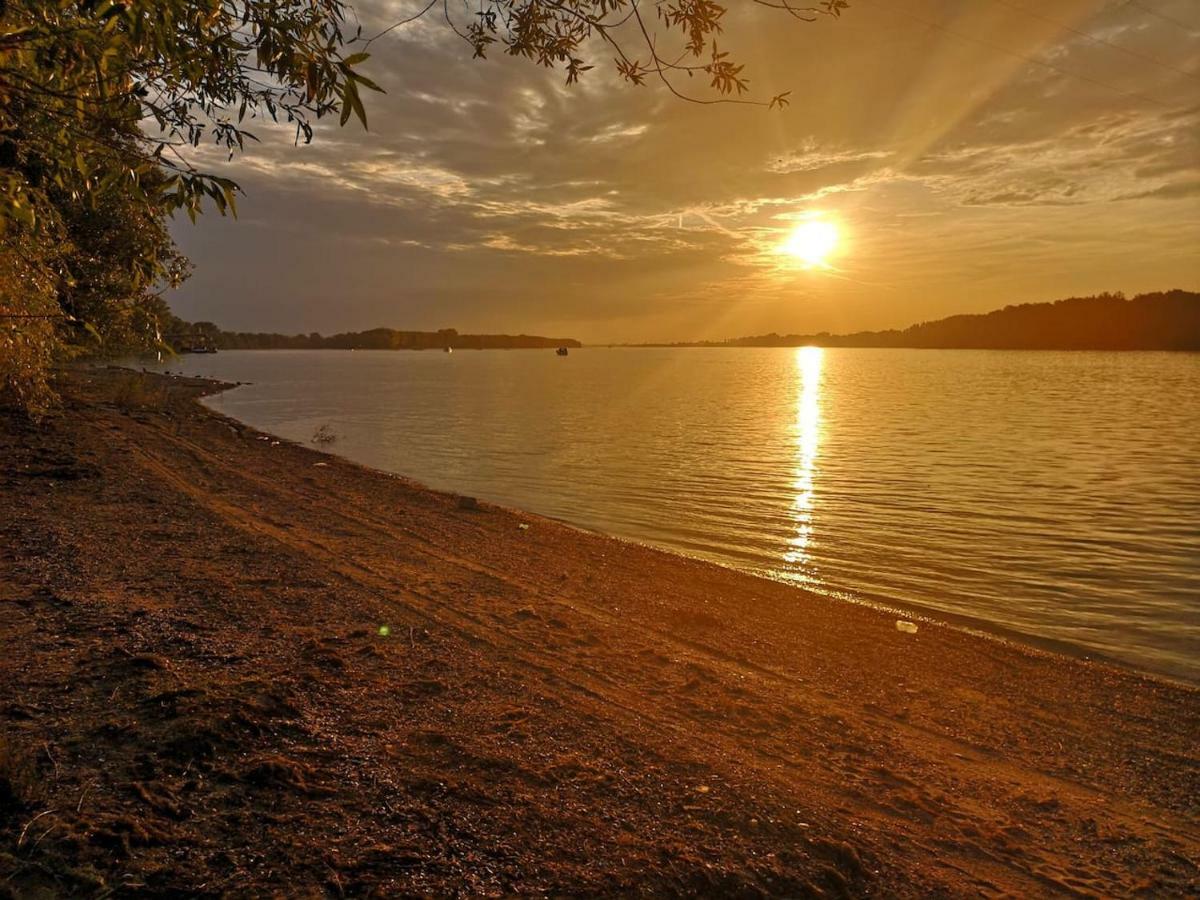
[(236, 665)]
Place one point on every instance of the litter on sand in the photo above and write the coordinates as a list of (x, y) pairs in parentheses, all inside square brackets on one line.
[(906, 627), (523, 526)]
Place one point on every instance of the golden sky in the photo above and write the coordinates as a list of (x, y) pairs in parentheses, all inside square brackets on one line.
[(969, 154)]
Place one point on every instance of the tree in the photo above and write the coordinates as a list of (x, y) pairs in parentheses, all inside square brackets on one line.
[(189, 70), (101, 100), (117, 258), (198, 70), (87, 277), (671, 38)]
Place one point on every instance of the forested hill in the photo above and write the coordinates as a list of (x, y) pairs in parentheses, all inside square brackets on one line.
[(1159, 321), (374, 339)]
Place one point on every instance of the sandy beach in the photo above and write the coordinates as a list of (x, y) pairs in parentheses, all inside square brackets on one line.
[(238, 666)]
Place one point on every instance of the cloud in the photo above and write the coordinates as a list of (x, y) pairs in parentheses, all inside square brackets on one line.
[(811, 157), (1174, 190)]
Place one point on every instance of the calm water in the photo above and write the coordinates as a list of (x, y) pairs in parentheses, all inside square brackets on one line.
[(1055, 494)]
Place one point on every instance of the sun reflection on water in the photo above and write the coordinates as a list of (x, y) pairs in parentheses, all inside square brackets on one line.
[(807, 429)]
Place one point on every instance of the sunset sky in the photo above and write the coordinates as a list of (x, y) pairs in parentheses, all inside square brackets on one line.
[(969, 154)]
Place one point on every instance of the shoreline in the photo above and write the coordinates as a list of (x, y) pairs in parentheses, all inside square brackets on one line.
[(975, 625), (243, 665)]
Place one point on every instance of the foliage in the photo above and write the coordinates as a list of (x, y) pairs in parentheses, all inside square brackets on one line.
[(95, 96), (194, 71), (671, 38), (28, 307), (84, 280), (120, 255), (89, 70)]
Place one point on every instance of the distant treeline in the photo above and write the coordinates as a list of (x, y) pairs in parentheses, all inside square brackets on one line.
[(180, 332), (1159, 321)]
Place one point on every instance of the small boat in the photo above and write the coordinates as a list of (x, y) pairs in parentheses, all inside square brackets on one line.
[(190, 342), (561, 351), (447, 349)]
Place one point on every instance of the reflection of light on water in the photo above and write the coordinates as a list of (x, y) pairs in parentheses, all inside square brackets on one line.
[(807, 430)]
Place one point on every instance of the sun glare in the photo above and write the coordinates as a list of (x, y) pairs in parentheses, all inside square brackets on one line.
[(811, 243)]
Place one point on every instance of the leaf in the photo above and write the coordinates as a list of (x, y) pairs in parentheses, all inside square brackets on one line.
[(358, 108), (364, 80), (347, 108)]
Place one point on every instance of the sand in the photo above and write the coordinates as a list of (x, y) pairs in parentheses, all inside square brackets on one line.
[(234, 665)]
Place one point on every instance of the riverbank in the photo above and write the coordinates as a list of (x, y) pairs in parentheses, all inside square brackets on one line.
[(238, 665)]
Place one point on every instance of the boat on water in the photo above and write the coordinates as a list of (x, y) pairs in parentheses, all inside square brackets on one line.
[(192, 342), (447, 349), (561, 351)]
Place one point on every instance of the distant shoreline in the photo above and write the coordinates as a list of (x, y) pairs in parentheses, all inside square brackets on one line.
[(1163, 321), (700, 345), (1168, 320), (206, 337), (722, 346)]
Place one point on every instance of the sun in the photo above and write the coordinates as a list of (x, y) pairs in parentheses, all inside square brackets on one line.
[(811, 242)]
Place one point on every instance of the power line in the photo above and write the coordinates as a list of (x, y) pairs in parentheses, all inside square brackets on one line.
[(941, 26), (1098, 40)]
